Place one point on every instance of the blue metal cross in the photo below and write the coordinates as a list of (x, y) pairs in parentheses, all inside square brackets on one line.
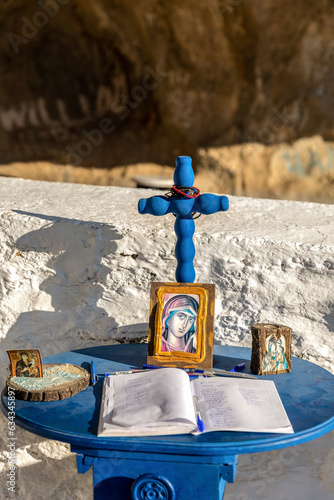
[(184, 206)]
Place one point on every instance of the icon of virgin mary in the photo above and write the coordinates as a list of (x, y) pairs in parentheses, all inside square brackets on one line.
[(275, 358), (179, 318)]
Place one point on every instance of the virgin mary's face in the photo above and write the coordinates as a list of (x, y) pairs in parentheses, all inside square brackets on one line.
[(180, 323)]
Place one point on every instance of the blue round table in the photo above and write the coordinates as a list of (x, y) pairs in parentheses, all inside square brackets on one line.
[(172, 467)]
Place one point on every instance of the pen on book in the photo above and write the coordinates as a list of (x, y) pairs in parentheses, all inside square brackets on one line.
[(199, 421), (93, 376)]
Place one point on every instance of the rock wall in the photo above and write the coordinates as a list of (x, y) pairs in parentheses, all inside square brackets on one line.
[(303, 170), (76, 263), (110, 83)]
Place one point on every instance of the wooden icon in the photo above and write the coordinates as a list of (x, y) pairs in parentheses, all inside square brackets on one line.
[(25, 362), (181, 325), (271, 349)]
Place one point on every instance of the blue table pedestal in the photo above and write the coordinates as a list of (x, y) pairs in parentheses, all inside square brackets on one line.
[(121, 475)]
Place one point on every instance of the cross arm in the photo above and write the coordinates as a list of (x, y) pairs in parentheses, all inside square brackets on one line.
[(210, 204), (161, 205), (204, 204)]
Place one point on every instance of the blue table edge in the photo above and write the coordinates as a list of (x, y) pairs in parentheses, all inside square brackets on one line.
[(277, 441), (189, 446)]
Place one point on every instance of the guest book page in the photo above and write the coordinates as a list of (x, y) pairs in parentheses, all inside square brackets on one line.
[(233, 404), (148, 403)]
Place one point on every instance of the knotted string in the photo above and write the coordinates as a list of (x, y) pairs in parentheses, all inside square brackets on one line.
[(185, 192)]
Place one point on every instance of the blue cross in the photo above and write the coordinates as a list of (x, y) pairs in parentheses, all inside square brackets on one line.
[(183, 207)]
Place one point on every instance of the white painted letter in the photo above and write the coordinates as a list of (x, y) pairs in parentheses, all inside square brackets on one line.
[(14, 118)]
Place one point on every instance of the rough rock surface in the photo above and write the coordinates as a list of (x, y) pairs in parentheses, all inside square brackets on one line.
[(303, 170), (116, 176), (171, 76), (76, 263)]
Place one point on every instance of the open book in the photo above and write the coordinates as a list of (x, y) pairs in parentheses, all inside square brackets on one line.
[(165, 401)]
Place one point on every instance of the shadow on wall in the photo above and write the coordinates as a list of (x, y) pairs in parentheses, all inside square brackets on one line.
[(329, 318), (76, 251)]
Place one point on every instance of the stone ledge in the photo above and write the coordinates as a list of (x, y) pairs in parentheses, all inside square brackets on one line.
[(77, 262)]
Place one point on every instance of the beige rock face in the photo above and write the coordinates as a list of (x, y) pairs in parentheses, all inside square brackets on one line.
[(116, 176), (112, 83), (303, 170)]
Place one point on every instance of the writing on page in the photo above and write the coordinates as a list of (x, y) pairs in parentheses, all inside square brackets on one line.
[(250, 397), (240, 405), (146, 399)]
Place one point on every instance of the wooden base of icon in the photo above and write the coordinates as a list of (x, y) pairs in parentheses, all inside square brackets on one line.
[(271, 349), (53, 393)]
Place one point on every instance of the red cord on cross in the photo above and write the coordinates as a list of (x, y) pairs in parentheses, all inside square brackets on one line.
[(181, 190)]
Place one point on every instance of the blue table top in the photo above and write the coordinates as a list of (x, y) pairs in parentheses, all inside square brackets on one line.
[(307, 394)]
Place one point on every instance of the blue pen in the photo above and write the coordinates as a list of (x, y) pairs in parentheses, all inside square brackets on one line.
[(93, 377), (199, 421), (200, 424), (238, 367)]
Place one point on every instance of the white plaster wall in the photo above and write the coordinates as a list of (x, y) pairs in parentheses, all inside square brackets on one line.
[(76, 263)]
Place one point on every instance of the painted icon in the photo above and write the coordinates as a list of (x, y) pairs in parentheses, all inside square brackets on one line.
[(275, 358), (179, 323), (25, 362)]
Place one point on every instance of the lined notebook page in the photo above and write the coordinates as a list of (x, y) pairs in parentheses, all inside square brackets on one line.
[(240, 405), (147, 403)]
